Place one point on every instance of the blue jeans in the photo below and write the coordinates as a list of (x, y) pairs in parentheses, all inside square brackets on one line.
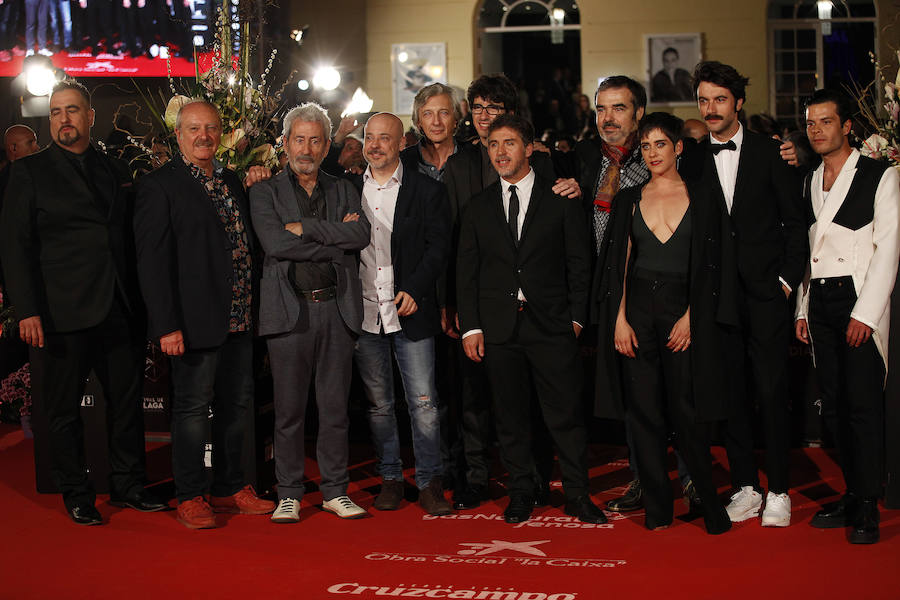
[(416, 362), (61, 24)]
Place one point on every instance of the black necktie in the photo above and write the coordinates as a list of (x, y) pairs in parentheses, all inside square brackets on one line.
[(716, 148), (513, 214)]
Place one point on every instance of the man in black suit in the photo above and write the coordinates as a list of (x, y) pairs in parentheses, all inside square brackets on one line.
[(410, 238), (68, 258), (760, 199), (523, 273), (194, 252)]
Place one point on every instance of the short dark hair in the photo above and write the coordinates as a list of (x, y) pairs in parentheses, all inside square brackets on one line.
[(669, 124), (672, 50), (521, 125), (638, 93), (726, 76), (842, 103), (496, 87), (71, 84)]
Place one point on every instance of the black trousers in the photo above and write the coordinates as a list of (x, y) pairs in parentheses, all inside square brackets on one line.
[(115, 351), (759, 363), (659, 396), (851, 381), (551, 363)]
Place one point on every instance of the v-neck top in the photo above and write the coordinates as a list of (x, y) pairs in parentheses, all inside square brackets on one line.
[(671, 256)]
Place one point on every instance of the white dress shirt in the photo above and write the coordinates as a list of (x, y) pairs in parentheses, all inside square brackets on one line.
[(376, 269), (727, 164)]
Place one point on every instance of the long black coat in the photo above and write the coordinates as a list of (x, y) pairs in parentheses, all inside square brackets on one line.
[(704, 284)]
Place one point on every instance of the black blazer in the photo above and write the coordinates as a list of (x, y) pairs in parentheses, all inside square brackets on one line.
[(184, 255), (420, 245), (704, 296), (767, 226), (63, 258), (551, 264)]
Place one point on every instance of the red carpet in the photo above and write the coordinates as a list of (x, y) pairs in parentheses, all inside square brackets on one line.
[(405, 555)]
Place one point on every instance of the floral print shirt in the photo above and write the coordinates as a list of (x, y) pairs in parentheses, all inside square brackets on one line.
[(230, 214)]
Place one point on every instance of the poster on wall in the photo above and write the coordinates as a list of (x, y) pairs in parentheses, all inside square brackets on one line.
[(670, 62), (414, 66)]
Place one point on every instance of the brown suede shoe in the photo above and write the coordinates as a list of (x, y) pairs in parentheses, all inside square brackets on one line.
[(432, 500), (390, 496), (196, 514), (245, 502)]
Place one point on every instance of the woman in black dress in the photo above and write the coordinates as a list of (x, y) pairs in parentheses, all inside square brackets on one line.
[(660, 345)]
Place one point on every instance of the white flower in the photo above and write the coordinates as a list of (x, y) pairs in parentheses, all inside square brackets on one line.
[(264, 154), (172, 108), (873, 146), (231, 139)]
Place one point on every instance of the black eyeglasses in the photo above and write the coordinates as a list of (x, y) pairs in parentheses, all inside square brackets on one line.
[(492, 109)]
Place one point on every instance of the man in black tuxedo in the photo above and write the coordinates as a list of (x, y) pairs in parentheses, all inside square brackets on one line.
[(523, 273), (194, 252), (765, 229), (68, 258)]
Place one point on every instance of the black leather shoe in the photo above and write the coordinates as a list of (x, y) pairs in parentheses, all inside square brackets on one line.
[(584, 509), (632, 499), (865, 528), (85, 514), (519, 509), (542, 493), (692, 499), (836, 514), (141, 500), (469, 497)]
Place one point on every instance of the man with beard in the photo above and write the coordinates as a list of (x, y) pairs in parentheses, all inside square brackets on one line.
[(759, 195), (410, 231), (194, 252), (309, 225), (68, 257)]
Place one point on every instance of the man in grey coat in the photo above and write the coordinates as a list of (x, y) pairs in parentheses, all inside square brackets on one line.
[(312, 229)]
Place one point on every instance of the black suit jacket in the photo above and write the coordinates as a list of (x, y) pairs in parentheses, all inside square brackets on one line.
[(64, 258), (420, 245), (767, 228), (551, 264), (184, 255)]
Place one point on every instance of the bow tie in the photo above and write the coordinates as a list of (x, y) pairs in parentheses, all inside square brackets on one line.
[(716, 148)]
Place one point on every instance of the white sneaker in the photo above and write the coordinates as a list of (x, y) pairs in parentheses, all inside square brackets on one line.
[(45, 52), (29, 52), (744, 505), (778, 510), (288, 511), (345, 508)]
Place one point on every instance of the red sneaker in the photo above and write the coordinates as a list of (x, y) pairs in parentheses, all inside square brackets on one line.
[(196, 514), (245, 502)]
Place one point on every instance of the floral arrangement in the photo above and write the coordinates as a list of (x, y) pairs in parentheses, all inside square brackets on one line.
[(249, 111), (15, 395), (884, 141)]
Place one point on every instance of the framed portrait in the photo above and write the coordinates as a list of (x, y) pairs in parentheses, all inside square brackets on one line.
[(670, 62), (414, 66)]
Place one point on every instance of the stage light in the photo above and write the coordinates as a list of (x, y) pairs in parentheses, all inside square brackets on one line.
[(303, 85), (39, 80), (327, 78), (359, 103), (403, 57)]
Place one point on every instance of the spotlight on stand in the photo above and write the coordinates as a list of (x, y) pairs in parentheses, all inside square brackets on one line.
[(303, 85), (34, 84), (327, 78)]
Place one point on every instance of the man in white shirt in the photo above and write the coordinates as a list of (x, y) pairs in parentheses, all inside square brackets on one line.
[(410, 241), (843, 308)]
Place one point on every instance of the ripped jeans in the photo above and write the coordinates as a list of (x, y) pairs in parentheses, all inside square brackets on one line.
[(416, 363)]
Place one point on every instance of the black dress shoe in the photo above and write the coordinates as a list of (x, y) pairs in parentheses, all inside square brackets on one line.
[(542, 493), (865, 527), (519, 509), (584, 509), (633, 499), (469, 497), (85, 514), (836, 514), (141, 500), (692, 499)]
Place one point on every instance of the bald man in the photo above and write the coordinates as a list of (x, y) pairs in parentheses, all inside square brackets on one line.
[(410, 243), (695, 128), (19, 141)]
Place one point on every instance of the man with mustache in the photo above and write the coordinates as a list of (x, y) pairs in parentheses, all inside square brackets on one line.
[(194, 252), (66, 243), (759, 195), (310, 228), (410, 238)]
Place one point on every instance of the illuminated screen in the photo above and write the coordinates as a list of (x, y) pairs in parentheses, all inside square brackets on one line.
[(100, 38)]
